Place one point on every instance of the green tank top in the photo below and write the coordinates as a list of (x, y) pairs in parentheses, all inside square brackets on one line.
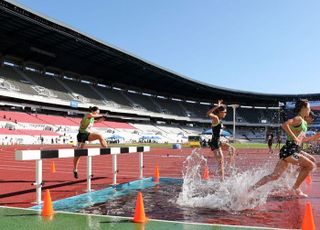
[(86, 124), (297, 130)]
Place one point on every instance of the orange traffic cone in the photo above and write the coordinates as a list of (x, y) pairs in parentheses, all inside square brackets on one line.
[(156, 175), (206, 173), (308, 222), (47, 209), (53, 167), (139, 214), (309, 180)]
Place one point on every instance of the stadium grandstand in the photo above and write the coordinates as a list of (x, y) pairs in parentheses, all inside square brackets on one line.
[(51, 73)]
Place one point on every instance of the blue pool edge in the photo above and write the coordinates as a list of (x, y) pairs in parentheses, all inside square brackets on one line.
[(78, 202)]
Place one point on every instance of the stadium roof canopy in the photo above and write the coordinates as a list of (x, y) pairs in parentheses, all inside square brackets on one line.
[(35, 38)]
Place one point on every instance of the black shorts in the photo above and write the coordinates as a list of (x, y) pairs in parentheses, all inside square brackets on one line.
[(82, 137), (215, 144), (289, 149), (269, 143)]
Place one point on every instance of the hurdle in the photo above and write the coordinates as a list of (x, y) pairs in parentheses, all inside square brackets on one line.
[(39, 155)]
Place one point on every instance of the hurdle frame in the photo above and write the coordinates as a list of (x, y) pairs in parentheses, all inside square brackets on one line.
[(39, 155)]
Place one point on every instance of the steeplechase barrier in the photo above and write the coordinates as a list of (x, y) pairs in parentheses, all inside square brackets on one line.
[(39, 155)]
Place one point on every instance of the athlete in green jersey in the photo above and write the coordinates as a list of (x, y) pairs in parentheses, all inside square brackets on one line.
[(291, 152), (85, 133)]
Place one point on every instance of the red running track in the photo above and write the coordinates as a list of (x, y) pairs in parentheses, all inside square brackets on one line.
[(16, 178)]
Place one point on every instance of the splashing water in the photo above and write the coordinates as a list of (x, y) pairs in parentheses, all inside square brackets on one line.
[(231, 194)]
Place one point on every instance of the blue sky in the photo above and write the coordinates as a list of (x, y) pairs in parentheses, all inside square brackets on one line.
[(269, 46)]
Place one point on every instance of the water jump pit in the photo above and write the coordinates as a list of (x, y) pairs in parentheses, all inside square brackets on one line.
[(195, 200)]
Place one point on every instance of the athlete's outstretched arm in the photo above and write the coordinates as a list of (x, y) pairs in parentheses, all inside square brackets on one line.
[(315, 137), (97, 117)]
